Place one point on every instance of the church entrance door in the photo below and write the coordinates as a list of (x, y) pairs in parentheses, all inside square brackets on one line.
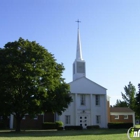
[(83, 120)]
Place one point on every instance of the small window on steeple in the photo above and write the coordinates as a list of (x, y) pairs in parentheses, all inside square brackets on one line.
[(80, 67)]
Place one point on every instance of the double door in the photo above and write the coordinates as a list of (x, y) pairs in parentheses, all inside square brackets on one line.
[(84, 120)]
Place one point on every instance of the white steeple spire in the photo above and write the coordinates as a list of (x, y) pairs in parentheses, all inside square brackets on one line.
[(79, 69), (79, 49)]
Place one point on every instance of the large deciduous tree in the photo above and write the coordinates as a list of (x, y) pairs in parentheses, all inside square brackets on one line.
[(30, 81)]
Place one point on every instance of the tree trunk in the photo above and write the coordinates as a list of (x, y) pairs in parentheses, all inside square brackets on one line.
[(18, 122)]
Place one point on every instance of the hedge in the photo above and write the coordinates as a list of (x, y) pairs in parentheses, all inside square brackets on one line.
[(52, 125), (93, 127), (59, 128), (2, 125), (74, 127), (119, 125)]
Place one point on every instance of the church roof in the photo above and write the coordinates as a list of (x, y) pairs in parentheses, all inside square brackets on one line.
[(88, 80)]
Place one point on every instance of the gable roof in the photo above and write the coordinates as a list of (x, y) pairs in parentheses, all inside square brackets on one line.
[(120, 109), (88, 80)]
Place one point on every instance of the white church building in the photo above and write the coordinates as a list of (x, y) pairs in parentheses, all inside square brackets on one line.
[(89, 106)]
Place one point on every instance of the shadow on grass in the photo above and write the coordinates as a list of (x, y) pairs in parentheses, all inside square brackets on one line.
[(55, 133)]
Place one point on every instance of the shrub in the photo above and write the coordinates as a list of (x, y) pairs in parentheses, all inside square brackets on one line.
[(52, 125), (93, 127), (119, 125), (59, 123), (75, 127)]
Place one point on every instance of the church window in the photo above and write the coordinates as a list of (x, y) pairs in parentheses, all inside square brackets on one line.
[(67, 119), (98, 119), (82, 99), (125, 116), (35, 117), (23, 118), (97, 100), (116, 116)]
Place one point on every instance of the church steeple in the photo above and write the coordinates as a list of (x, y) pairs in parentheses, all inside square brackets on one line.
[(79, 63)]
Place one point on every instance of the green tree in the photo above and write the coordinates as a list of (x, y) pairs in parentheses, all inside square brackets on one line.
[(120, 103), (129, 96), (138, 103), (31, 81)]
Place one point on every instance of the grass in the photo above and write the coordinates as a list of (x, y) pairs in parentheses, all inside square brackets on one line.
[(137, 126), (98, 134)]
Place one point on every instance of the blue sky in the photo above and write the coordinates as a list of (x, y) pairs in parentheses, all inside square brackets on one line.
[(109, 30)]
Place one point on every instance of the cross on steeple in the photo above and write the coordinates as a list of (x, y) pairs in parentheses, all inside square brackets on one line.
[(78, 21)]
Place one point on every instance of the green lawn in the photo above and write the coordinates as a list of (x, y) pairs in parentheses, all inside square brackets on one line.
[(101, 134), (137, 126)]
